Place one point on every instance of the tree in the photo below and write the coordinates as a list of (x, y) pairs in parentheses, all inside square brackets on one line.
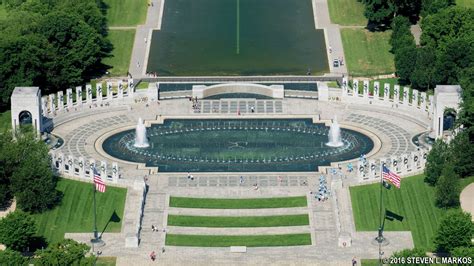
[(447, 25), (447, 188), (434, 6), (379, 11), (462, 150), (66, 252), (455, 230), (17, 230), (435, 161), (33, 182), (12, 258), (404, 63), (406, 253), (463, 252), (423, 76)]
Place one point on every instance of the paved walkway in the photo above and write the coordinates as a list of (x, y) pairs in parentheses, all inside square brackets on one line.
[(143, 35), (467, 199), (332, 34)]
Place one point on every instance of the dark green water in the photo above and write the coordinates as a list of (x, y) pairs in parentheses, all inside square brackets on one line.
[(237, 37), (250, 145)]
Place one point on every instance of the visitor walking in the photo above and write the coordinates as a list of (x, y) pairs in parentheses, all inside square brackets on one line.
[(153, 256), (241, 180), (153, 228), (354, 261), (330, 49)]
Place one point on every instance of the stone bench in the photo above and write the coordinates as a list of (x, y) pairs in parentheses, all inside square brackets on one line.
[(238, 249)]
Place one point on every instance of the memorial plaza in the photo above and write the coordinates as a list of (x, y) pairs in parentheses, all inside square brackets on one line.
[(241, 138)]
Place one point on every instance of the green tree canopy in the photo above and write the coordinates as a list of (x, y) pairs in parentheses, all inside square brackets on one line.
[(17, 230), (447, 188), (52, 44), (12, 258), (455, 230), (66, 252), (435, 161)]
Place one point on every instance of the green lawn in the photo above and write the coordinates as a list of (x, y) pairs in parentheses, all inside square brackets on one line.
[(126, 12), (142, 85), (75, 213), (210, 203), (227, 241), (5, 121), (122, 40), (367, 53), (241, 221), (465, 3), (347, 12), (414, 201), (106, 261), (371, 262)]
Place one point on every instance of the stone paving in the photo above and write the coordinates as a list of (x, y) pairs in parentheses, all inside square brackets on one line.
[(327, 220), (234, 106)]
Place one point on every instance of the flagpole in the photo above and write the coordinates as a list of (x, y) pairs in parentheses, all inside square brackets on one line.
[(380, 239), (96, 235)]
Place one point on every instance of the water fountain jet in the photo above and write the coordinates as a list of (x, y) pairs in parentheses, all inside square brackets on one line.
[(335, 139), (141, 141)]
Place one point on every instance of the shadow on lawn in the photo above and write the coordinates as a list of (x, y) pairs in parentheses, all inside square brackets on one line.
[(393, 216), (114, 218)]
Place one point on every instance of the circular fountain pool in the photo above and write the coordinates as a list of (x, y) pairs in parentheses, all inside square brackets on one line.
[(252, 145)]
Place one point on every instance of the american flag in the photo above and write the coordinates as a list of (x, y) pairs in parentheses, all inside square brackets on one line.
[(391, 176), (99, 183)]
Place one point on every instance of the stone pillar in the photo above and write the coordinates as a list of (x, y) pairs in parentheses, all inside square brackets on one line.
[(415, 157), (69, 102), (361, 170), (376, 90), (60, 100), (406, 96), (423, 101), (120, 89), (414, 98), (131, 87), (344, 87), (103, 170), (81, 165), (115, 172), (91, 169), (109, 90), (89, 93), (69, 167), (395, 162), (98, 91), (403, 164), (386, 92), (396, 93), (61, 163), (355, 87), (44, 105), (373, 169), (52, 103), (79, 95), (366, 89)]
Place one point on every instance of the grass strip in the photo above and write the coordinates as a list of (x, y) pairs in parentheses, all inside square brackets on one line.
[(244, 240), (242, 221), (210, 203)]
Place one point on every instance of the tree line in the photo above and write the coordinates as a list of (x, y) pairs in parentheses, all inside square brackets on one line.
[(53, 44)]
